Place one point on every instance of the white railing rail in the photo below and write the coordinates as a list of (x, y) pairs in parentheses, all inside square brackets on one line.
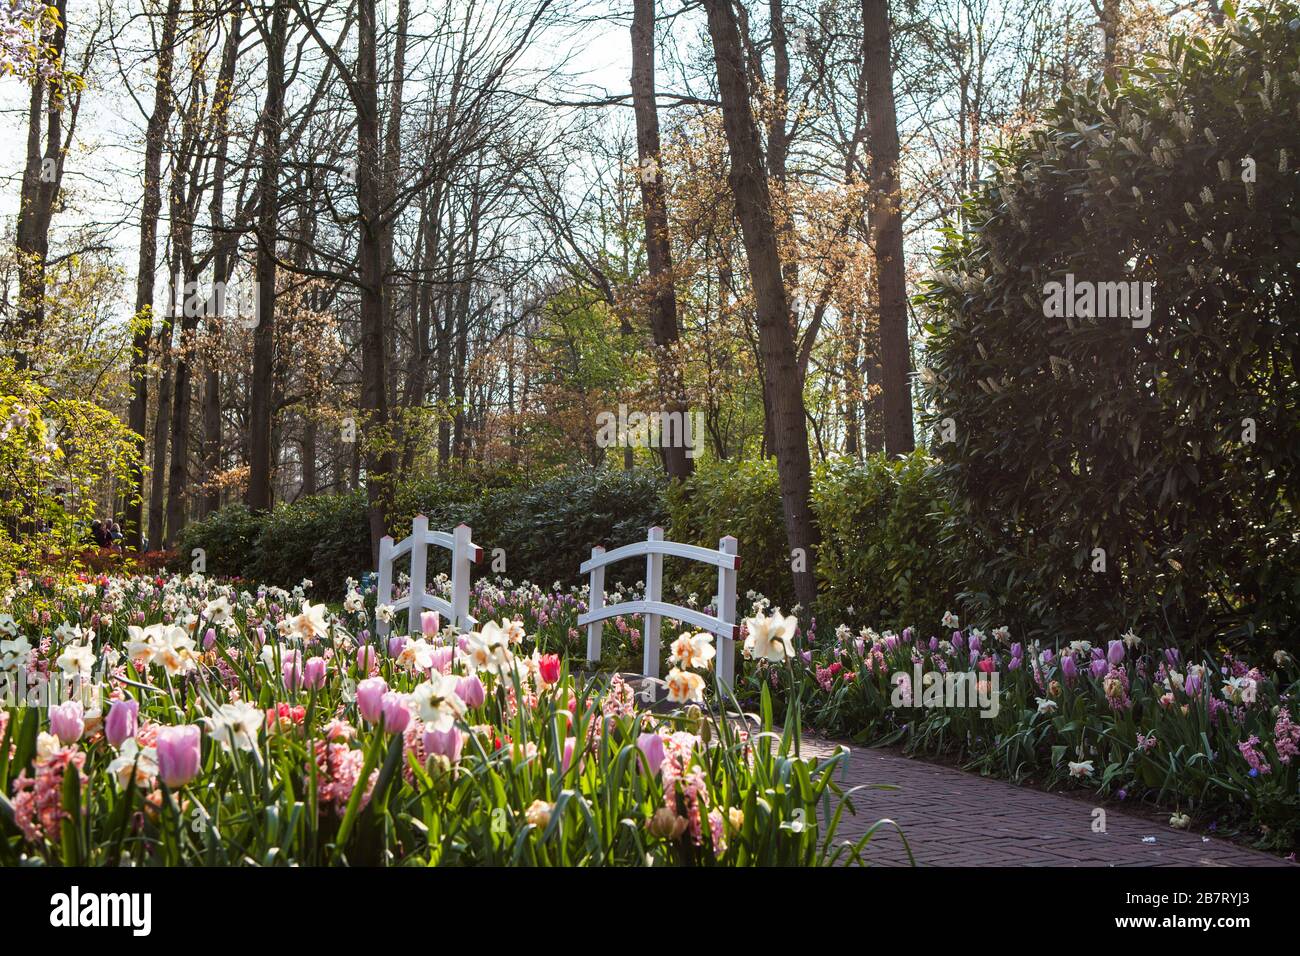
[(723, 625), (418, 599)]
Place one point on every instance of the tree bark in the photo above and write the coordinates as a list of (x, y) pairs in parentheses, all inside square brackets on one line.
[(777, 348), (258, 496), (659, 255), (887, 228), (142, 322)]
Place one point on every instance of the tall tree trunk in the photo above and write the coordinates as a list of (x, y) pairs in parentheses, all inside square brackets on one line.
[(42, 179), (142, 322), (223, 247), (781, 381), (659, 255), (887, 228), (258, 496), (379, 455)]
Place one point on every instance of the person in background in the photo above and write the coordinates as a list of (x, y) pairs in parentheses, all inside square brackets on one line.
[(115, 535), (99, 533)]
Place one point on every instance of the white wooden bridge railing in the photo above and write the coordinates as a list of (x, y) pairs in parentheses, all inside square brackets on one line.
[(724, 626), (418, 599)]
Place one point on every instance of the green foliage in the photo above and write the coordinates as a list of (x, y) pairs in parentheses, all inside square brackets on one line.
[(227, 538), (324, 538), (741, 498), (881, 553), (55, 456), (1074, 434)]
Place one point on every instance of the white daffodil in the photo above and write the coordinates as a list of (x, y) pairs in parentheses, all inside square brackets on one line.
[(218, 611), (15, 653), (692, 651), (417, 654), (769, 638), (487, 650), (951, 620), (684, 686), (236, 726), (354, 602), (77, 660), (8, 625), (1082, 768), (1046, 705), (137, 760), (310, 625), (437, 702)]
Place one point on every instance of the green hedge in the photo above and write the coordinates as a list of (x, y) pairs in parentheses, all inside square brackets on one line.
[(545, 528), (881, 551)]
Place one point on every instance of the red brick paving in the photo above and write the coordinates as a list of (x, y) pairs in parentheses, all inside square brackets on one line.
[(954, 818)]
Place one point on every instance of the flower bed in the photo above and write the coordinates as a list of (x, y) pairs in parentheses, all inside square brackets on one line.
[(1214, 741), (219, 726)]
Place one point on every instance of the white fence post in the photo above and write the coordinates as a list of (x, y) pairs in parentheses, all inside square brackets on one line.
[(595, 601), (384, 593), (419, 574), (654, 573), (462, 553), (726, 610)]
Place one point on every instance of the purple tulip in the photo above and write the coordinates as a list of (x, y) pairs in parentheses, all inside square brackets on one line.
[(178, 754), (975, 643), (908, 634), (1017, 650), (314, 672), (958, 642), (1115, 652), (1099, 668), (1013, 664), (934, 644), (1098, 654), (445, 743), (652, 745), (67, 721), (1069, 668), (470, 690), (1047, 656), (395, 645), (209, 639), (1172, 656), (261, 636), (122, 720), (1192, 685), (395, 712), (370, 699)]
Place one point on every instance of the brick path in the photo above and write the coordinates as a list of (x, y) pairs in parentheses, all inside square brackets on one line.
[(953, 818)]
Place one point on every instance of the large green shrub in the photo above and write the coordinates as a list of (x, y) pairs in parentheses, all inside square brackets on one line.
[(881, 553), (1076, 434), (227, 539), (324, 538), (741, 498)]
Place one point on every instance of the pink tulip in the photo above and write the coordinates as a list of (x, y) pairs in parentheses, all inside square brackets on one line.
[(395, 645), (122, 720), (314, 672), (67, 721), (446, 743), (568, 754), (209, 638), (370, 699), (261, 636), (291, 671), (365, 658), (470, 690), (178, 754), (652, 745), (429, 623), (442, 657), (395, 713)]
